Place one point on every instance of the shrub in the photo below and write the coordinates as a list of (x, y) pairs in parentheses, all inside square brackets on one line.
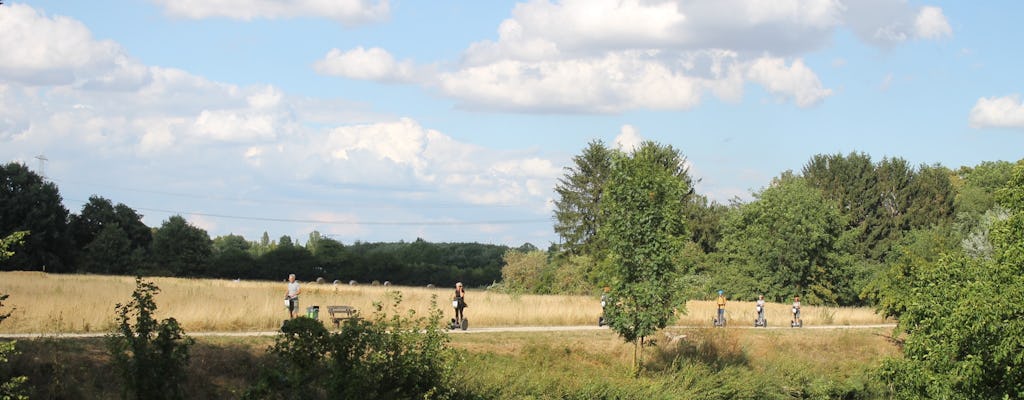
[(390, 356), (150, 356)]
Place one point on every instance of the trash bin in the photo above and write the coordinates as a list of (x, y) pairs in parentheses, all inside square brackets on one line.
[(313, 312)]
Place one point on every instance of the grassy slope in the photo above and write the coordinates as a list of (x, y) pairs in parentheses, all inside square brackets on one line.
[(699, 363)]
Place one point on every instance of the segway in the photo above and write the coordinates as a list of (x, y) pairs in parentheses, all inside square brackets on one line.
[(760, 321), (796, 322), (600, 320), (456, 324), (719, 322)]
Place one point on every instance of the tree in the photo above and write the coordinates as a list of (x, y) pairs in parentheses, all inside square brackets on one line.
[(110, 252), (11, 387), (787, 242), (28, 203), (524, 271), (644, 231), (151, 356), (962, 317), (181, 249), (579, 199)]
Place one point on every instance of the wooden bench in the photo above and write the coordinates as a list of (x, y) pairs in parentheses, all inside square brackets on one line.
[(341, 313)]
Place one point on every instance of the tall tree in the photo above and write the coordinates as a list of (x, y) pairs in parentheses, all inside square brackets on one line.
[(962, 317), (644, 231), (579, 198), (787, 241), (98, 215), (110, 252), (28, 203), (180, 248)]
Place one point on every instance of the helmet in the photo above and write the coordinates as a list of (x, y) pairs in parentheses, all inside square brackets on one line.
[(721, 292)]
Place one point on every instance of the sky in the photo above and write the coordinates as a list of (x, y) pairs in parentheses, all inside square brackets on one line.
[(452, 121)]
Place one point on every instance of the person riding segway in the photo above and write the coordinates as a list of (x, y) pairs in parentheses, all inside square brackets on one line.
[(720, 319), (797, 322), (604, 302), (459, 303), (760, 307)]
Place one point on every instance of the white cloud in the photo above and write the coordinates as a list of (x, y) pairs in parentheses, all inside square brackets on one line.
[(39, 50), (890, 22), (932, 24), (610, 56), (796, 81), (345, 11), (998, 112), (628, 139), (226, 125), (374, 64)]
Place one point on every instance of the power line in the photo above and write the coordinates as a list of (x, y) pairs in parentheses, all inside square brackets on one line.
[(332, 222), (283, 201)]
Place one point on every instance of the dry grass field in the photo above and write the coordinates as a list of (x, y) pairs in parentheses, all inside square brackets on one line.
[(54, 303)]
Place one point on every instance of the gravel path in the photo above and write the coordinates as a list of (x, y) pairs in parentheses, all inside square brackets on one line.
[(492, 329)]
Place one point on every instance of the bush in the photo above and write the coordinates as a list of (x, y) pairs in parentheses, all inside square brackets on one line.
[(391, 356), (150, 356)]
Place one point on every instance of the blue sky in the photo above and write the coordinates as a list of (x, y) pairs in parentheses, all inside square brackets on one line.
[(452, 120)]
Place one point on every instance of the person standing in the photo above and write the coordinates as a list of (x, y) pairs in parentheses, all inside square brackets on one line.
[(292, 296), (460, 302)]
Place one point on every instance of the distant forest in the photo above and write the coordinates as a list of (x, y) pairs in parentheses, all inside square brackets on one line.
[(108, 238)]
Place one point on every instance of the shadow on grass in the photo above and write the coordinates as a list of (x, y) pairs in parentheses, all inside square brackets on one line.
[(716, 349)]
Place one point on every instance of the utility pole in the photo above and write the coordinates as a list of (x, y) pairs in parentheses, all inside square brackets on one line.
[(42, 165)]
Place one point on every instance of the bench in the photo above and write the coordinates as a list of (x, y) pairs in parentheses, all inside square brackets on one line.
[(341, 313)]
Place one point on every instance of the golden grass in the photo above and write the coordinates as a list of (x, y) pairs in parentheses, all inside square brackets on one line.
[(55, 303), (742, 313)]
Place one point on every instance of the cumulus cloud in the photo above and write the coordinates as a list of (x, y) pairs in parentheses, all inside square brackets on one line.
[(890, 22), (796, 81), (998, 112), (931, 24), (36, 49), (373, 64), (346, 11), (628, 139), (610, 56)]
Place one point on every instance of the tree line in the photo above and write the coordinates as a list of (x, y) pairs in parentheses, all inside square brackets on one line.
[(108, 238), (828, 232)]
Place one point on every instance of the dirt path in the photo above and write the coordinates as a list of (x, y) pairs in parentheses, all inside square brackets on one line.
[(492, 329)]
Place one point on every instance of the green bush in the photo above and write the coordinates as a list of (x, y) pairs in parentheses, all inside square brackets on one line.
[(390, 356), (151, 356)]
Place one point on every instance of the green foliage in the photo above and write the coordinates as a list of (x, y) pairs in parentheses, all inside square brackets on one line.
[(525, 272), (577, 208), (883, 200), (534, 272), (151, 356), (9, 241), (181, 249), (390, 356), (109, 239), (644, 231), (962, 317), (28, 203), (11, 387), (784, 244)]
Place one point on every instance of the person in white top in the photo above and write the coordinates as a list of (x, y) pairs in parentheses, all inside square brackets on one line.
[(292, 296)]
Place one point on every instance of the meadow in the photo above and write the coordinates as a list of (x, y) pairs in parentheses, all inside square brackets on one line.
[(681, 363), (687, 360), (59, 303)]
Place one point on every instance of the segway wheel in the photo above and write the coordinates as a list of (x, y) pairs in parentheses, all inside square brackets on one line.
[(600, 321), (465, 324)]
